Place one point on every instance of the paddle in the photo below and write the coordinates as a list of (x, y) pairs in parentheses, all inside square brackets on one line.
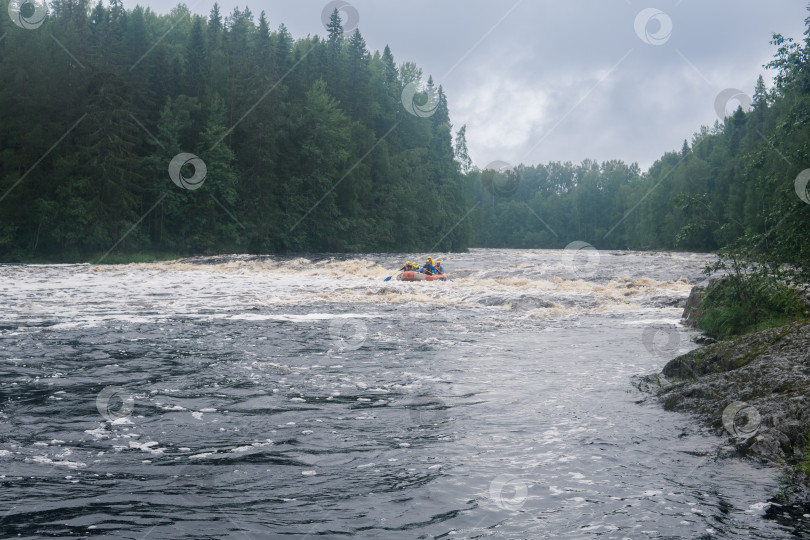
[(400, 270), (392, 275), (403, 269)]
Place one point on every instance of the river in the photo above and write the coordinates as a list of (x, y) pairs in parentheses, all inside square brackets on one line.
[(262, 397)]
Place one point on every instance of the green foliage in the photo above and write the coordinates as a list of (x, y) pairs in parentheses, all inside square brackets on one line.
[(548, 206), (750, 297), (804, 464), (740, 304), (763, 223), (306, 143), (731, 185), (298, 140)]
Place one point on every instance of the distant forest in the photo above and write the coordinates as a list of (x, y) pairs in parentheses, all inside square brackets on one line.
[(309, 145), (735, 183), (306, 143), (732, 179)]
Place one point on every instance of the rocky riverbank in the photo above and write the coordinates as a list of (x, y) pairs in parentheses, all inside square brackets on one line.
[(755, 389)]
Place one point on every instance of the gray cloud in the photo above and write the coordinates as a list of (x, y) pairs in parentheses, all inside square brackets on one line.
[(542, 83)]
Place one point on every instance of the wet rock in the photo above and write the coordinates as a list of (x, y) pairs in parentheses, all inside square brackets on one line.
[(754, 389), (385, 291), (666, 302), (531, 302), (521, 303), (692, 312), (705, 340)]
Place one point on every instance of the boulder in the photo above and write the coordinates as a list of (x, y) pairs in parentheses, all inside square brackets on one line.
[(693, 311), (763, 378)]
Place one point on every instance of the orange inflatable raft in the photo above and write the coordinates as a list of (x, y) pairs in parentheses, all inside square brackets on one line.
[(410, 275)]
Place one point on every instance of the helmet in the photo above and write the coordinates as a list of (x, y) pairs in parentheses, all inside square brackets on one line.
[(430, 259), (408, 263), (438, 263)]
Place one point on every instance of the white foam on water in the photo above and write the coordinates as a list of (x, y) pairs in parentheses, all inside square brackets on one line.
[(151, 447), (98, 433), (659, 321), (533, 284), (45, 460), (301, 318), (759, 508), (203, 455), (247, 448)]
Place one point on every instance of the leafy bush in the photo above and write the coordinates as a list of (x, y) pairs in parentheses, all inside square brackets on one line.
[(743, 303)]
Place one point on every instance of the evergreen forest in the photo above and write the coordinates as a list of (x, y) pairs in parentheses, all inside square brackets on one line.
[(318, 144)]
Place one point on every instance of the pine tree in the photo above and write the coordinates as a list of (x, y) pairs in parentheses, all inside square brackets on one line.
[(215, 221), (391, 73), (359, 99), (335, 29), (309, 136), (214, 27), (461, 153), (760, 99), (196, 65)]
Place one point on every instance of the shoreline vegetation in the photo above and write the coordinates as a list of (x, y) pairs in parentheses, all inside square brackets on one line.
[(278, 183), (751, 387), (332, 160)]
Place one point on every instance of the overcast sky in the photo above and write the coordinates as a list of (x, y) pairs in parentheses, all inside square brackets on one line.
[(537, 81)]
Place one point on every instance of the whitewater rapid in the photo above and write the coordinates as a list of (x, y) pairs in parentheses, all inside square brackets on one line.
[(266, 396), (537, 284)]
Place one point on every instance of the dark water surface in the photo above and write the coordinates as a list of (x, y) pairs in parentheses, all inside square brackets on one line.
[(242, 397)]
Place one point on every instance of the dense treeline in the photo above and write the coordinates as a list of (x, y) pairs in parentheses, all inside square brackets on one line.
[(738, 188), (308, 147), (306, 143), (732, 181), (720, 186)]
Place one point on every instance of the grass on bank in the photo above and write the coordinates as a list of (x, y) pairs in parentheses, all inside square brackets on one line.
[(742, 304)]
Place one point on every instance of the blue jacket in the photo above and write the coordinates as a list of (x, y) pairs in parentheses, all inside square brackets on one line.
[(429, 269)]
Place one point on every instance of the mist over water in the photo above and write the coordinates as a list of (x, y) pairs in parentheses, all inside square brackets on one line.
[(246, 396)]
